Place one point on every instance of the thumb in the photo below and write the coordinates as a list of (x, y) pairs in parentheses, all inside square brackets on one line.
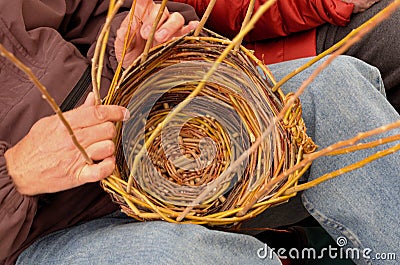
[(120, 38), (89, 101)]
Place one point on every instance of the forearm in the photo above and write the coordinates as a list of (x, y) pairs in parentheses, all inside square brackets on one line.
[(283, 18)]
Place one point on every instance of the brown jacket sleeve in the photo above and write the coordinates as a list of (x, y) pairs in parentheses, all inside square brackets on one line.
[(16, 211), (44, 35)]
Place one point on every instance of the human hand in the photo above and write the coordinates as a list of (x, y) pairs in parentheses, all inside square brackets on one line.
[(171, 25), (361, 5), (46, 160)]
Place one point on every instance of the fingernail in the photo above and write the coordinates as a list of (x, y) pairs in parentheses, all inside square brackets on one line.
[(193, 24), (161, 35), (127, 115), (146, 31)]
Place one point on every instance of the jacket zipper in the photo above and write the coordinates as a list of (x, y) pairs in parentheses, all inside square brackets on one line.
[(78, 91)]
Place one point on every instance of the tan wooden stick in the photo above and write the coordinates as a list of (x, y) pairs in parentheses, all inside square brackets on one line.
[(204, 18), (97, 60), (149, 41)]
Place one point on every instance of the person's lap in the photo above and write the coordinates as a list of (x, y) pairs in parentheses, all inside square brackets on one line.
[(118, 239), (361, 205)]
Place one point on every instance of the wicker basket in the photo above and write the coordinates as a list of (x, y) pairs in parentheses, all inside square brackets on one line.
[(188, 173)]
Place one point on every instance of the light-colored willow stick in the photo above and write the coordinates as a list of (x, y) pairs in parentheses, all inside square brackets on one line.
[(118, 77), (204, 18), (362, 146), (350, 142), (127, 42), (329, 151), (149, 41), (390, 8), (47, 97), (197, 90), (98, 57), (104, 44), (246, 20), (343, 170)]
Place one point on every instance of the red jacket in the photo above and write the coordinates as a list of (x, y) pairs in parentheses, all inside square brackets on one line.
[(286, 31)]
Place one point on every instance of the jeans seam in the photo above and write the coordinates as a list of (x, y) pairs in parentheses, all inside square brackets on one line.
[(329, 222)]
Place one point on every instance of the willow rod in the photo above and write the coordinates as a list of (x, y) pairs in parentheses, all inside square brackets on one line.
[(102, 42), (109, 16), (246, 20), (127, 41), (204, 18), (149, 41), (343, 170)]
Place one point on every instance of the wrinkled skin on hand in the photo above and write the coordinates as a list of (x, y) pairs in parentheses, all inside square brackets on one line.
[(170, 26), (361, 5), (46, 159)]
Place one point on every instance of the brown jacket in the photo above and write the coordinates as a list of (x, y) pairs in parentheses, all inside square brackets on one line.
[(52, 38)]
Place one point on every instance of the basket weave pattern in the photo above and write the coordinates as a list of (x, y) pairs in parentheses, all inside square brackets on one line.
[(186, 160)]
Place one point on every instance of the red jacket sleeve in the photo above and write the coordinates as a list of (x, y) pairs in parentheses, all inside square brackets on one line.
[(282, 19)]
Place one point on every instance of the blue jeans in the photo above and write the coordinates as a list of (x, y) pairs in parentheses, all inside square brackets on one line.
[(360, 208)]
